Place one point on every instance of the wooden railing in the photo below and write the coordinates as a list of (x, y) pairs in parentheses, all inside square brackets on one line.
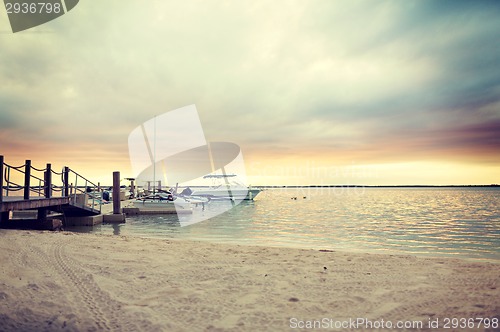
[(41, 182)]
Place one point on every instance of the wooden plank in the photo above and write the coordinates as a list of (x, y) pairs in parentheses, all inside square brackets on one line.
[(29, 204)]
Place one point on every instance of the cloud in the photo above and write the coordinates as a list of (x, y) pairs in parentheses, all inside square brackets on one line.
[(363, 78)]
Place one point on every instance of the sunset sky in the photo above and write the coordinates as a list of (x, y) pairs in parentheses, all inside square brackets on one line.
[(313, 91)]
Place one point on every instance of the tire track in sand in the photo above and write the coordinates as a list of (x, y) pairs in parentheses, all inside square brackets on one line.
[(108, 314), (84, 284)]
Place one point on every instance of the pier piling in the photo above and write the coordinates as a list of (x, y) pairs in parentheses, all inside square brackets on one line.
[(117, 216), (116, 192), (42, 215)]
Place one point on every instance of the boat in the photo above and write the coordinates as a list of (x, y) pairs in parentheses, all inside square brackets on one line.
[(229, 189), (196, 200), (163, 201)]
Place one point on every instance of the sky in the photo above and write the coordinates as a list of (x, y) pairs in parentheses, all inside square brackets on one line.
[(313, 91)]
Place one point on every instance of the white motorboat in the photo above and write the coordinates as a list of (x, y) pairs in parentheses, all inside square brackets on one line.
[(229, 189), (163, 201)]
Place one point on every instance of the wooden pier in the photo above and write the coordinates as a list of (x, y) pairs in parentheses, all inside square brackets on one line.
[(45, 190)]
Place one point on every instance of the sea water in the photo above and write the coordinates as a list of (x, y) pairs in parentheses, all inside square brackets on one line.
[(460, 222)]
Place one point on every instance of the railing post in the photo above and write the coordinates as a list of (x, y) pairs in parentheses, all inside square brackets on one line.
[(4, 216), (8, 180), (1, 179), (66, 181), (48, 181), (74, 189), (99, 192), (27, 176)]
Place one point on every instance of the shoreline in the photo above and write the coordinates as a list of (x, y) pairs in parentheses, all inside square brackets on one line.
[(384, 252), (75, 281), (374, 251)]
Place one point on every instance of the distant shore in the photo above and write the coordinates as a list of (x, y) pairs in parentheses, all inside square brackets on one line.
[(79, 282), (344, 186)]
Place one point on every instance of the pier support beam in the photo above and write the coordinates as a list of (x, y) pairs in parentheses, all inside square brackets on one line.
[(4, 217), (116, 192), (117, 216), (42, 215)]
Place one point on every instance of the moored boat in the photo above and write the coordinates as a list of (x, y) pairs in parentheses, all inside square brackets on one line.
[(163, 201), (229, 189)]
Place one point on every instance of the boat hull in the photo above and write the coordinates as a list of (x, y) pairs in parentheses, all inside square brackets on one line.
[(223, 194), (160, 206)]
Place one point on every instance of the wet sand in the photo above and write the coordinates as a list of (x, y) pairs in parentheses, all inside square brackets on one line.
[(86, 282)]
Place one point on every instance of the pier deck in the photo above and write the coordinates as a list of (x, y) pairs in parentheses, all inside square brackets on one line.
[(19, 183), (19, 203)]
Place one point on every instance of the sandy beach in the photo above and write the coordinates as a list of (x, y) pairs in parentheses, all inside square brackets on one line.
[(62, 281)]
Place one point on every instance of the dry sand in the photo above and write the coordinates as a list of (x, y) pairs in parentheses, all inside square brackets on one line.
[(83, 282)]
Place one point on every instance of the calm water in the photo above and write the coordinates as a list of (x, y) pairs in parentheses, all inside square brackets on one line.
[(425, 221)]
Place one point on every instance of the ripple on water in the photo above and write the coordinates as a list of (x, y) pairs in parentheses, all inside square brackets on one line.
[(429, 221)]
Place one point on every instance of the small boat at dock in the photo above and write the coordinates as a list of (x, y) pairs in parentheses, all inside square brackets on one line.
[(224, 187), (163, 201)]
